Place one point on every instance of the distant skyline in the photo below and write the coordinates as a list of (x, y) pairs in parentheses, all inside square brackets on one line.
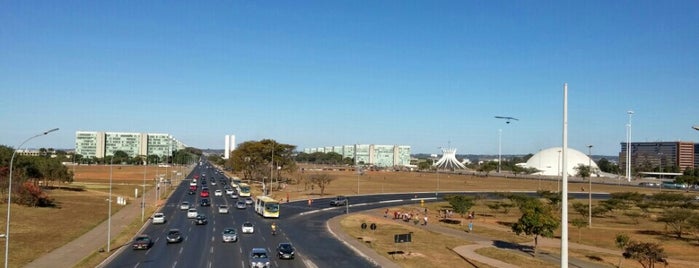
[(323, 73)]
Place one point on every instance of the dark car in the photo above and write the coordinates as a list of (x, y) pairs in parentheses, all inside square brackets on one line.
[(190, 192), (285, 251), (339, 201), (174, 236), (142, 242), (201, 220), (204, 202)]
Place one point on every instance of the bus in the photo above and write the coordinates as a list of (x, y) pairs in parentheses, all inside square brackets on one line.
[(243, 190), (267, 207)]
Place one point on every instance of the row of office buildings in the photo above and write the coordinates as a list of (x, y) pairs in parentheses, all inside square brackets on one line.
[(98, 144), (661, 155), (370, 154)]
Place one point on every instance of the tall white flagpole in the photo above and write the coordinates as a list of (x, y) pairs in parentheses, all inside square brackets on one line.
[(564, 184)]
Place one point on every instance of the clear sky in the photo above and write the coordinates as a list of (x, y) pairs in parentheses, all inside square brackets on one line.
[(427, 74)]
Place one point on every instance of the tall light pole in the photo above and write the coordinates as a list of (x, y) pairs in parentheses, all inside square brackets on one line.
[(507, 119), (589, 188), (558, 180), (143, 194), (628, 147), (499, 149), (9, 193), (564, 183), (109, 217)]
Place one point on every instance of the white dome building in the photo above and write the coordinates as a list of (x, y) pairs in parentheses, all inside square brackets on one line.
[(549, 161)]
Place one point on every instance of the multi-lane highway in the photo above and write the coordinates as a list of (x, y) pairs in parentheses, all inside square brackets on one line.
[(203, 245), (299, 223)]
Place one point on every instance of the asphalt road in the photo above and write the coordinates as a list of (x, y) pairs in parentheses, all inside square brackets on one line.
[(299, 223)]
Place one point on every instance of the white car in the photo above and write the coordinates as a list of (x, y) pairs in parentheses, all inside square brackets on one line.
[(248, 228), (184, 205), (192, 213), (222, 209), (158, 218), (229, 191), (218, 193)]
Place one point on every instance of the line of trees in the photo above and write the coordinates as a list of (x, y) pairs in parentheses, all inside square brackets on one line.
[(257, 160), (330, 158)]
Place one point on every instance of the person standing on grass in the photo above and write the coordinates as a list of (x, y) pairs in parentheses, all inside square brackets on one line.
[(470, 226)]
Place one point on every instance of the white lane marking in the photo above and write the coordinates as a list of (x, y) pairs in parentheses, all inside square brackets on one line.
[(211, 251), (308, 212), (358, 205), (136, 265), (174, 264), (181, 250), (212, 239), (357, 251), (209, 264), (309, 263), (423, 198), (391, 201), (241, 252), (242, 264)]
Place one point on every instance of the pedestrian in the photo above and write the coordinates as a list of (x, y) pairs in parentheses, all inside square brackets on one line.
[(385, 214), (425, 220), (395, 214), (470, 226), (425, 211)]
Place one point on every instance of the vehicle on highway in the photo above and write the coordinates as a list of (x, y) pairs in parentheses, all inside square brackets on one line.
[(248, 228), (158, 218), (190, 192), (240, 204), (243, 190), (234, 195), (174, 236), (192, 213), (142, 242), (204, 192), (249, 201), (218, 193), (222, 209), (184, 205), (286, 251), (259, 258), (229, 191), (204, 202), (213, 182), (339, 201), (266, 206), (649, 184), (201, 220), (229, 235)]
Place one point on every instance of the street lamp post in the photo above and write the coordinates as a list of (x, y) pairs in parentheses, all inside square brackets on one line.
[(143, 194), (109, 218), (589, 188), (558, 180), (9, 194), (628, 147), (499, 149)]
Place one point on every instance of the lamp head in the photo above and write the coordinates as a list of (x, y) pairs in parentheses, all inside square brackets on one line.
[(695, 127)]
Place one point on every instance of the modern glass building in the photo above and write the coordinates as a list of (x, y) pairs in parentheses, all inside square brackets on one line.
[(97, 144), (661, 155), (370, 154)]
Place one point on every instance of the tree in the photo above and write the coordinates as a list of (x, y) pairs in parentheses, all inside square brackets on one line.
[(583, 171), (460, 203), (321, 180), (538, 219), (580, 223), (581, 209), (647, 254), (607, 166), (621, 241), (488, 167), (677, 219), (255, 159)]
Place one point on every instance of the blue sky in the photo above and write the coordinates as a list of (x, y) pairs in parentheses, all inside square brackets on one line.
[(319, 73)]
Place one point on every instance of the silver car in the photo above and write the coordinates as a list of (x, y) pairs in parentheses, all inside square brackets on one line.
[(259, 258), (229, 235)]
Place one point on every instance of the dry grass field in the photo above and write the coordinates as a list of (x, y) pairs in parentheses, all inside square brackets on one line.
[(76, 209)]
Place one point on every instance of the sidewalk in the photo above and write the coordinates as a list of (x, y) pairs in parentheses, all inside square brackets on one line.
[(75, 251)]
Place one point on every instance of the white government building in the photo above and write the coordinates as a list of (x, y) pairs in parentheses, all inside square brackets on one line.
[(370, 154)]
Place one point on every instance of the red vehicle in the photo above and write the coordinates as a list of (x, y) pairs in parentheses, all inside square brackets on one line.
[(204, 193), (192, 187)]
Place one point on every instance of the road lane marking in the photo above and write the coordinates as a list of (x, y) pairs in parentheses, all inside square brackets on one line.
[(309, 263), (423, 198), (174, 264), (391, 201), (358, 205), (135, 266), (211, 251), (181, 249)]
